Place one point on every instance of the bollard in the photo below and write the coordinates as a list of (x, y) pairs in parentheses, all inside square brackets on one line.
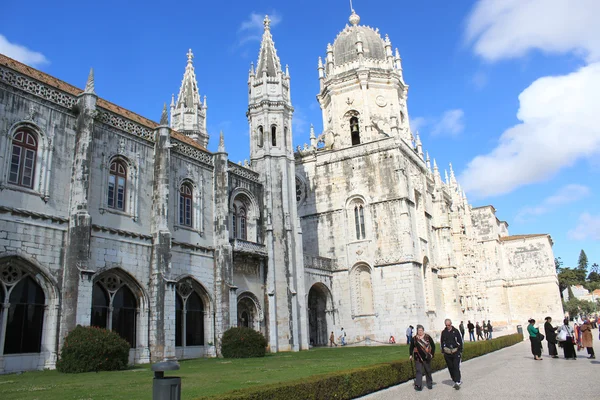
[(168, 388), (520, 330)]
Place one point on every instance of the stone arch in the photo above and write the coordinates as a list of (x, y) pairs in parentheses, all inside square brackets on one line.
[(193, 313), (197, 205), (356, 126), (43, 158), (132, 188), (361, 285), (249, 311), (15, 270), (117, 284), (357, 215), (242, 199), (320, 309)]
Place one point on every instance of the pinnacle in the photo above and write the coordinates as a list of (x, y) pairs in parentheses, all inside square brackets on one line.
[(268, 61), (89, 86), (164, 118)]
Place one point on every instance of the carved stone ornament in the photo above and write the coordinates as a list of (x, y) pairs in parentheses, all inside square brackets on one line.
[(10, 274), (381, 101)]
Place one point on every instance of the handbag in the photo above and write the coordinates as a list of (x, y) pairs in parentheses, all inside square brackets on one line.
[(448, 350), (541, 336), (562, 335)]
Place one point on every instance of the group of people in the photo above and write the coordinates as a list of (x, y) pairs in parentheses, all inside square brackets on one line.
[(565, 336), (483, 331), (422, 350), (341, 338)]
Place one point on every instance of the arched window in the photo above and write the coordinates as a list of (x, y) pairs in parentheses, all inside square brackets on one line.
[(22, 162), (359, 221), (260, 139), (185, 204), (117, 179), (362, 290), (243, 233), (114, 307), (273, 135), (25, 317), (189, 317), (249, 313), (354, 130), (285, 137)]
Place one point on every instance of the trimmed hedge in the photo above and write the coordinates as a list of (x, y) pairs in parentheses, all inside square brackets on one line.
[(243, 343), (91, 349), (360, 381)]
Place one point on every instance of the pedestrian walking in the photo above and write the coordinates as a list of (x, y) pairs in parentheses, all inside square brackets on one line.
[(452, 347), (587, 339), (471, 329), (566, 340), (422, 350), (551, 337), (461, 328), (478, 331), (535, 339), (409, 334), (490, 329), (485, 330), (342, 337), (332, 340)]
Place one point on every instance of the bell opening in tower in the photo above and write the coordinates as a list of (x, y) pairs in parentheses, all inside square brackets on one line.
[(354, 131)]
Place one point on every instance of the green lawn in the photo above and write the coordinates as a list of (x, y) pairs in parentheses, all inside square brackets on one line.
[(201, 377)]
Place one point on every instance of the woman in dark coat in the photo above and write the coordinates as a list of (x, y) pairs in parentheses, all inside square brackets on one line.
[(422, 350), (551, 337)]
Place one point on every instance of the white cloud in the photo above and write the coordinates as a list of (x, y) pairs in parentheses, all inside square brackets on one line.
[(588, 227), (565, 195), (559, 126), (253, 27), (21, 53), (500, 29), (450, 123)]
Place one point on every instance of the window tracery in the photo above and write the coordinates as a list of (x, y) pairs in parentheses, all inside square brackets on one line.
[(186, 199), (189, 315), (117, 185)]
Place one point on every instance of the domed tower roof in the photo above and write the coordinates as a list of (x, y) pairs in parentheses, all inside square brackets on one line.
[(344, 47)]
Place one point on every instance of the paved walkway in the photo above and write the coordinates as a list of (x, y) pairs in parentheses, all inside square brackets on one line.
[(511, 373)]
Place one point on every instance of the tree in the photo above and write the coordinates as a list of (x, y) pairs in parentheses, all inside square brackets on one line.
[(558, 264), (575, 307), (593, 277), (595, 268), (583, 260), (568, 277)]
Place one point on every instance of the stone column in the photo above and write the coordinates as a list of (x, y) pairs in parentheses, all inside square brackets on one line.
[(80, 223), (223, 251), (161, 242)]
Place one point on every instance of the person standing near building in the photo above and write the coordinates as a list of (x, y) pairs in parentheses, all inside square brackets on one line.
[(587, 339), (490, 329), (422, 350), (484, 329), (534, 338), (452, 347), (461, 328), (471, 329), (478, 331), (342, 338), (551, 337), (566, 340), (409, 332)]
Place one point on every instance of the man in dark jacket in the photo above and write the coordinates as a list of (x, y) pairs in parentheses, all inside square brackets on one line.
[(452, 347), (471, 329), (551, 337), (461, 328)]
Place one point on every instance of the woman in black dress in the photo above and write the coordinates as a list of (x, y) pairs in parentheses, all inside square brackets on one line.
[(551, 337)]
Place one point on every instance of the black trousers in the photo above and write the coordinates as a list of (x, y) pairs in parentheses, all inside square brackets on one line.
[(423, 368), (536, 346), (569, 348), (590, 351), (552, 349), (453, 363)]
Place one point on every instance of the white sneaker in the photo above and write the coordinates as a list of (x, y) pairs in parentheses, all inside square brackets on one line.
[(457, 385)]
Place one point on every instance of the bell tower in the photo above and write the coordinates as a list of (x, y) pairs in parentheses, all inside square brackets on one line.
[(270, 119)]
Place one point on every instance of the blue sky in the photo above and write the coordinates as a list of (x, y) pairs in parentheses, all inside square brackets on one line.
[(506, 90)]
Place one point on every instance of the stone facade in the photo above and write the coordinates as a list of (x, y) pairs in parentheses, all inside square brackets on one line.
[(110, 219)]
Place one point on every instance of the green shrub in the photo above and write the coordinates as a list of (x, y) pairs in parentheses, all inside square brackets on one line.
[(243, 343), (360, 381), (88, 349)]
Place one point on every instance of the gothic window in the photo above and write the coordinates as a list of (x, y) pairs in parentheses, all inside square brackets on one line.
[(362, 290), (285, 136), (186, 199), (22, 162), (234, 222), (114, 307), (260, 138), (117, 179), (25, 317), (273, 135), (189, 315), (354, 131), (248, 311), (243, 233), (359, 221)]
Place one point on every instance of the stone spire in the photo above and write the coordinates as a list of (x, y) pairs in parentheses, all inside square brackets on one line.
[(313, 138), (452, 177), (221, 148), (188, 113), (268, 61), (164, 118), (89, 86), (419, 145)]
